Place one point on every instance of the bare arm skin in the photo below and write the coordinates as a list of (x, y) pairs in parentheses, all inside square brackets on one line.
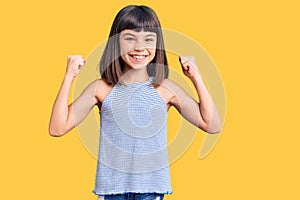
[(65, 117), (202, 114)]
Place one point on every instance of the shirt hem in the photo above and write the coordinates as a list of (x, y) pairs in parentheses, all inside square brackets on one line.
[(131, 191)]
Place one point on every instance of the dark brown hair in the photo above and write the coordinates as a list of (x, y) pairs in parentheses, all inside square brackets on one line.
[(135, 18)]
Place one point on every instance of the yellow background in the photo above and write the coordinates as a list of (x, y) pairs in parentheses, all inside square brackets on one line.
[(255, 45)]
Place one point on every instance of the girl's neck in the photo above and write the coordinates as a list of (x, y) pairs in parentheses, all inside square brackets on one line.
[(135, 75)]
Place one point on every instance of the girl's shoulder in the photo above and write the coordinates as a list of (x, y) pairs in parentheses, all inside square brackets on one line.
[(167, 89), (171, 88), (102, 89), (170, 85), (167, 82)]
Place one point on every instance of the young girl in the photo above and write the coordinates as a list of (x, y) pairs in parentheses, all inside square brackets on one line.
[(133, 97)]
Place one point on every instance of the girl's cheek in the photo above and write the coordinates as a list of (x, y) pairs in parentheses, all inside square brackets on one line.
[(125, 48), (151, 47)]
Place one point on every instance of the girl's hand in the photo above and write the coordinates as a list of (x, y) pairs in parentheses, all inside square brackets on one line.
[(189, 66), (74, 65)]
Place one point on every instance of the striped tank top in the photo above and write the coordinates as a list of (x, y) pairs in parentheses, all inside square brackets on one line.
[(133, 153)]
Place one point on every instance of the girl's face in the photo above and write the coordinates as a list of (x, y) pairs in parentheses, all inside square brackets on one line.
[(137, 48)]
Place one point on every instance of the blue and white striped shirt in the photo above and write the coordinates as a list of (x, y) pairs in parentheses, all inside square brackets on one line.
[(133, 151)]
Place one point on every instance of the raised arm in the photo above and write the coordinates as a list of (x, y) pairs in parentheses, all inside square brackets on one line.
[(65, 117), (202, 114)]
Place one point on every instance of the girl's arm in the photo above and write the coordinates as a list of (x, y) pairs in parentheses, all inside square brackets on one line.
[(64, 117), (203, 114)]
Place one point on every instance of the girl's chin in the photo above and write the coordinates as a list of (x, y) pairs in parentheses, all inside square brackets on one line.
[(134, 65), (137, 66)]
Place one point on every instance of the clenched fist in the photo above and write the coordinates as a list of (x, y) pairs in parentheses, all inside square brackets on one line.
[(74, 65), (189, 66)]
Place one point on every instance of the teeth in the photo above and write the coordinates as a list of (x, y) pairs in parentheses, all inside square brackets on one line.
[(138, 57)]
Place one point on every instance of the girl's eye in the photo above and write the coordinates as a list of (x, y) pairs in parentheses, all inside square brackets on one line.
[(149, 40), (130, 39)]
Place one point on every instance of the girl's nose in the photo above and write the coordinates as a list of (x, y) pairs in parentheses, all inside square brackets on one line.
[(139, 46)]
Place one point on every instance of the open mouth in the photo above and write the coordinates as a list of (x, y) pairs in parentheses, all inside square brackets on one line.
[(137, 57)]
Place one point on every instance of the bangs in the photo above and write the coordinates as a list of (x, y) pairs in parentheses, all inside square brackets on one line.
[(139, 19)]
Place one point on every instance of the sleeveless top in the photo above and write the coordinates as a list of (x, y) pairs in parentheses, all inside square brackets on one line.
[(133, 152)]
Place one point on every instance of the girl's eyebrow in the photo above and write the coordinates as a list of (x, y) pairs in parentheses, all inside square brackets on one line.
[(151, 34), (130, 34)]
